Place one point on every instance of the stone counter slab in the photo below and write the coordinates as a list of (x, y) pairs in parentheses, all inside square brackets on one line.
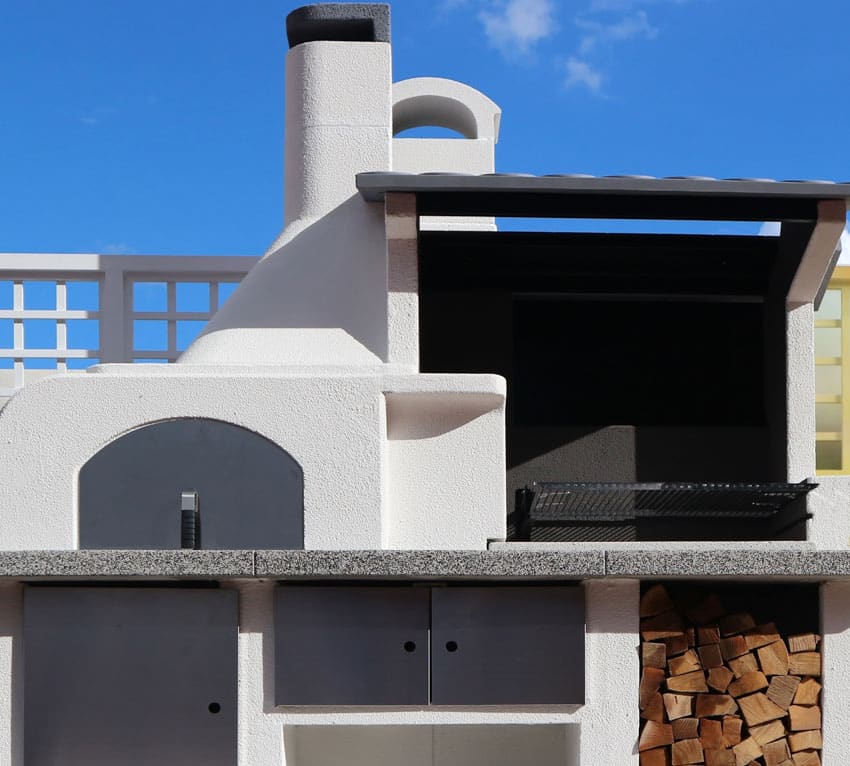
[(126, 563), (526, 563), (431, 564), (753, 562)]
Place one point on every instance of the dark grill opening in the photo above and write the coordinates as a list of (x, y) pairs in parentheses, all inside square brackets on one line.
[(590, 511), (630, 358)]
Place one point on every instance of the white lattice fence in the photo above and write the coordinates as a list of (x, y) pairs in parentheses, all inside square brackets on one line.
[(62, 313)]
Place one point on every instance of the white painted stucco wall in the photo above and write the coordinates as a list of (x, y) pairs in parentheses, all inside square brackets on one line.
[(835, 646), (318, 296), (333, 424)]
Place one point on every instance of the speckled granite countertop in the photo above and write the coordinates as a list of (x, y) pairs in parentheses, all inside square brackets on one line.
[(503, 563)]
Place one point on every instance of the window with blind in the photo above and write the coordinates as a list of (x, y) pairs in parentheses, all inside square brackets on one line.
[(832, 382)]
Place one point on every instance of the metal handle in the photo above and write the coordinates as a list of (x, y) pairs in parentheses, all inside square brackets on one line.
[(190, 521)]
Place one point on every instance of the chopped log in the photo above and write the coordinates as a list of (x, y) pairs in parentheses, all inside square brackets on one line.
[(732, 647), (754, 681), (678, 706), (719, 758), (804, 663), (803, 642), (654, 735), (767, 732), (708, 610), (774, 659), (655, 601), (684, 663), (720, 678), (687, 751), (782, 690), (686, 728), (743, 664), (665, 625), (732, 730), (805, 740), (804, 718), (710, 634), (658, 757), (691, 636), (654, 711), (710, 656), (806, 758), (776, 753), (676, 644), (757, 708), (761, 635), (736, 623), (808, 692), (711, 734), (650, 682), (710, 705), (746, 751), (653, 655), (688, 682)]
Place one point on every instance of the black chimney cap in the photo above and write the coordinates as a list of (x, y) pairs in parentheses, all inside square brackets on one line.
[(349, 22)]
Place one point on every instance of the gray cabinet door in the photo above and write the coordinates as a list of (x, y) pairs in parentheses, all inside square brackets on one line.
[(130, 676), (351, 645), (507, 645)]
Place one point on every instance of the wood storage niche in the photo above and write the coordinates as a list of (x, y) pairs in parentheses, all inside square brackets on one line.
[(730, 675)]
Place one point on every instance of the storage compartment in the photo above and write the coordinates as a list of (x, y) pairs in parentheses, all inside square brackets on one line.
[(496, 645), (130, 676), (443, 645), (730, 674), (441, 745), (351, 645)]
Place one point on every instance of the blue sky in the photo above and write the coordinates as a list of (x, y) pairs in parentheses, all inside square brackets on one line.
[(156, 126)]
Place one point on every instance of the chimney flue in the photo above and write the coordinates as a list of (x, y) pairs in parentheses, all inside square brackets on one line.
[(318, 297)]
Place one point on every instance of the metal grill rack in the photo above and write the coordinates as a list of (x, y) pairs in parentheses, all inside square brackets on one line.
[(550, 503)]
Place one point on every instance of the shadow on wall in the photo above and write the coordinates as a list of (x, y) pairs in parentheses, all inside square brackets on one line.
[(250, 491), (443, 745), (328, 275)]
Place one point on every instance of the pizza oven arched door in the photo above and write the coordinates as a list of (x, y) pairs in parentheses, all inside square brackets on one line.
[(250, 492)]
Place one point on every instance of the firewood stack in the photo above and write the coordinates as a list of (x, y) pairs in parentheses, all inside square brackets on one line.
[(720, 690)]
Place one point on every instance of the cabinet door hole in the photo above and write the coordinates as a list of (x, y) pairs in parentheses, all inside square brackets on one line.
[(410, 646), (214, 707), (451, 646)]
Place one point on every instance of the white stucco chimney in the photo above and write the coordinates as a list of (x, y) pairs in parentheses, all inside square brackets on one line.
[(318, 296)]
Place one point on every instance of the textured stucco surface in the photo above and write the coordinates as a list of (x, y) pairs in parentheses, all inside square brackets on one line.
[(11, 675), (319, 295), (609, 718), (835, 647), (333, 425)]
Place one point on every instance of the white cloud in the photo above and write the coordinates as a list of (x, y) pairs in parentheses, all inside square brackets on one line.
[(582, 73), (519, 24), (95, 116), (629, 27), (627, 5)]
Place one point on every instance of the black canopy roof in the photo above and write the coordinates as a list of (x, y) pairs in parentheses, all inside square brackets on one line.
[(580, 196)]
